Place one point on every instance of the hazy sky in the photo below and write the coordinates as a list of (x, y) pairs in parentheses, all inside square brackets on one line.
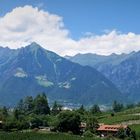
[(72, 26)]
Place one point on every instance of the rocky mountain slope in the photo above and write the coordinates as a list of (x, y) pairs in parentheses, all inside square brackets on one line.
[(123, 70), (32, 69)]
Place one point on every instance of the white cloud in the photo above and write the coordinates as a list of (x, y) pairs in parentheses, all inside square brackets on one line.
[(26, 24)]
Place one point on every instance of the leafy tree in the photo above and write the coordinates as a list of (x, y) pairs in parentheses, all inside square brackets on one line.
[(121, 134), (69, 121), (41, 105), (92, 124), (35, 121), (52, 121)]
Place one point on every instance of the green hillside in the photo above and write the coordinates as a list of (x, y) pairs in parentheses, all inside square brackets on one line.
[(130, 117)]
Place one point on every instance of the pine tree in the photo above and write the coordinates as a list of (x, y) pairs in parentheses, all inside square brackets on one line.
[(56, 109), (95, 109), (41, 105)]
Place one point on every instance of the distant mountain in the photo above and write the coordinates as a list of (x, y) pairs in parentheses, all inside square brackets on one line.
[(31, 70), (95, 60), (123, 70)]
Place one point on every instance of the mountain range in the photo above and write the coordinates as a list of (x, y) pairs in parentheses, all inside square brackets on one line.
[(123, 70), (32, 69)]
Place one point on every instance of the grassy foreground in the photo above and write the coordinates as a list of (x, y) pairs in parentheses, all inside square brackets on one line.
[(40, 136)]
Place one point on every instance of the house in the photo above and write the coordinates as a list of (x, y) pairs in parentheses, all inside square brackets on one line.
[(83, 126), (44, 128), (105, 130), (1, 122)]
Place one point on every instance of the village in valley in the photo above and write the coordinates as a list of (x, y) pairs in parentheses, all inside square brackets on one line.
[(36, 116)]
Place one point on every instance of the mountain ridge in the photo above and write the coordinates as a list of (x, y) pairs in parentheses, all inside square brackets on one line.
[(32, 69), (123, 70)]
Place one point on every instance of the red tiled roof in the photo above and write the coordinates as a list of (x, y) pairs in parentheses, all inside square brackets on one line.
[(113, 128)]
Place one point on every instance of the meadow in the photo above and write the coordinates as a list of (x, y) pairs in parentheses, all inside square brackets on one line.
[(120, 117), (40, 136), (130, 117)]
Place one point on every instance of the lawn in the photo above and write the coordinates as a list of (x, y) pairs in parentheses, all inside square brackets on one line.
[(40, 136), (118, 119), (135, 127), (123, 116)]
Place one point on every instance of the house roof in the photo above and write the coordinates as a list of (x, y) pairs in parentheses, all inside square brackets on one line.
[(83, 125), (113, 128)]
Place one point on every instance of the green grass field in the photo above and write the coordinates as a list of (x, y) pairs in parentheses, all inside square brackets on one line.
[(40, 136), (124, 116), (136, 128), (118, 119)]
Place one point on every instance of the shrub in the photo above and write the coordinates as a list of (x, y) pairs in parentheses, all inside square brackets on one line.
[(88, 134)]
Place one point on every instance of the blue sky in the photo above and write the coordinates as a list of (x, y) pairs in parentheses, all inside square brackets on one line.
[(82, 16), (68, 27)]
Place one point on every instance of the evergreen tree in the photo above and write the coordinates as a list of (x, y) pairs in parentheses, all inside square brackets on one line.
[(95, 109), (19, 110), (29, 104), (41, 105), (4, 112), (117, 106), (20, 106), (56, 109), (16, 114), (81, 109)]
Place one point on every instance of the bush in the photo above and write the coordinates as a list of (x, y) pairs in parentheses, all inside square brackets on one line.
[(121, 134), (70, 132), (36, 122), (88, 134), (22, 125), (133, 135), (92, 124), (7, 126), (112, 114)]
